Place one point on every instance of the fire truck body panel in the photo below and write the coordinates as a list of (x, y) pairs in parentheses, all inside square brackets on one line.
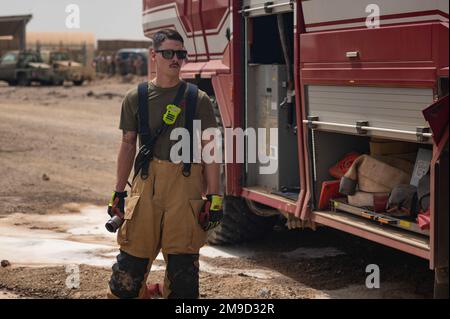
[(203, 25), (323, 15)]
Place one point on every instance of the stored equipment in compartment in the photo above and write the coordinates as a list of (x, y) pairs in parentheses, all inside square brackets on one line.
[(268, 108)]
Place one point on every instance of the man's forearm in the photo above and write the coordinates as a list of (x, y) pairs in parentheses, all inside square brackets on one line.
[(125, 162), (211, 171)]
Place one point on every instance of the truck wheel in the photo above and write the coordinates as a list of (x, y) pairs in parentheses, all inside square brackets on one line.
[(22, 80), (441, 283), (239, 224), (78, 83)]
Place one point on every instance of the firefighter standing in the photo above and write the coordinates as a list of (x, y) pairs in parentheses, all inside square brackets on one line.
[(165, 204)]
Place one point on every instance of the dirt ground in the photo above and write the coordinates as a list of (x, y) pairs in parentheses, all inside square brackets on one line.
[(58, 148)]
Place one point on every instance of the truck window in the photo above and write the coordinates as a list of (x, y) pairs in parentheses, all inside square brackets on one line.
[(26, 58), (9, 58)]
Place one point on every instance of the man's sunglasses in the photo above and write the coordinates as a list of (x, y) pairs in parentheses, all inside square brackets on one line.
[(168, 54)]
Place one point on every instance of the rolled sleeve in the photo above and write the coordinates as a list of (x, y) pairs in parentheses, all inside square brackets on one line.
[(128, 116)]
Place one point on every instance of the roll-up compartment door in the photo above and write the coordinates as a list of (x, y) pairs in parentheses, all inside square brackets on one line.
[(383, 108)]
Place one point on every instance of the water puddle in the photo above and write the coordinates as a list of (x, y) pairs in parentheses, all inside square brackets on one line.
[(42, 251), (55, 239), (78, 237)]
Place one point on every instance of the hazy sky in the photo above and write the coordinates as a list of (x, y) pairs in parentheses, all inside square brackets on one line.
[(107, 19)]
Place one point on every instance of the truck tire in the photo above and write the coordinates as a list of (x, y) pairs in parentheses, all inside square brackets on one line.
[(239, 224), (22, 80)]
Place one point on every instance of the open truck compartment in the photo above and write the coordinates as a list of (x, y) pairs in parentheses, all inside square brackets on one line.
[(270, 104), (380, 168), (330, 208), (268, 109)]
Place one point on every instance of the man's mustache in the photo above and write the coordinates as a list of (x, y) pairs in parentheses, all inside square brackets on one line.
[(175, 65)]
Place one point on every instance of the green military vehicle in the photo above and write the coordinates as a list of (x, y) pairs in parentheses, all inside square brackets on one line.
[(73, 71), (24, 67)]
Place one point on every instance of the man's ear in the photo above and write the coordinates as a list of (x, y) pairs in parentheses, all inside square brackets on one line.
[(187, 57), (153, 54)]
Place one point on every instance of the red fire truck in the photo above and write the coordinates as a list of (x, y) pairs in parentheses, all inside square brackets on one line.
[(334, 77)]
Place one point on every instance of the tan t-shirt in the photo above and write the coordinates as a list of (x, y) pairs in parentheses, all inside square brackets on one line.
[(158, 99)]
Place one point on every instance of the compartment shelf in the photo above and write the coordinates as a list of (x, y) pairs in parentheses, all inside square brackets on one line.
[(389, 221), (396, 238)]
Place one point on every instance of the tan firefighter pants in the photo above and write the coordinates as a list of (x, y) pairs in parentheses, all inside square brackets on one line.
[(162, 214)]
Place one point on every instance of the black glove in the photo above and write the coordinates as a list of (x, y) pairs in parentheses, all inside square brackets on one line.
[(116, 206), (212, 213)]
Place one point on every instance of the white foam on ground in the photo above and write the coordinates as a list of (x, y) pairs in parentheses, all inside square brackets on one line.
[(226, 252), (41, 251), (24, 245), (80, 238)]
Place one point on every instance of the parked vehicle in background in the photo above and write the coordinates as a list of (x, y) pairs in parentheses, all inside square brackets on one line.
[(132, 61), (61, 62), (79, 46), (23, 67)]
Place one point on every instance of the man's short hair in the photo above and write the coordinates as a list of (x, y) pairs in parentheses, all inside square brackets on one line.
[(165, 34)]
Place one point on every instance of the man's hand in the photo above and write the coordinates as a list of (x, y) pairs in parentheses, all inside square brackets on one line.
[(212, 213), (116, 206)]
